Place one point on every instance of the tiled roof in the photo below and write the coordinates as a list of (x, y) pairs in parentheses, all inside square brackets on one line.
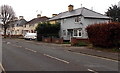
[(37, 20), (21, 22), (80, 11)]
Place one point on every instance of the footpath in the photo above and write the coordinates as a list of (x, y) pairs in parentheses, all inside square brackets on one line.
[(93, 52), (85, 50)]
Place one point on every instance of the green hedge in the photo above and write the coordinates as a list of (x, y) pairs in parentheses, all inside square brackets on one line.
[(47, 29), (105, 34), (80, 43)]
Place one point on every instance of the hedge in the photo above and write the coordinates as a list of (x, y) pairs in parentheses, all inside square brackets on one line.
[(105, 34), (47, 29)]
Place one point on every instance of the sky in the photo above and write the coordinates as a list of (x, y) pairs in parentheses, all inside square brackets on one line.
[(30, 8)]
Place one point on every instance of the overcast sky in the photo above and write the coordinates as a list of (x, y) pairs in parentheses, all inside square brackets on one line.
[(30, 8)]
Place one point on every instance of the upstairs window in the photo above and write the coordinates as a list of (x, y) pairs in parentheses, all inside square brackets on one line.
[(77, 19)]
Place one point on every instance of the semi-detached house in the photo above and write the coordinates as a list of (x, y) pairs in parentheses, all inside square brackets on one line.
[(74, 21), (32, 24)]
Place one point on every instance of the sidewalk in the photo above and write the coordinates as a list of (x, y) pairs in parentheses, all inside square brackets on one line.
[(93, 52), (85, 50)]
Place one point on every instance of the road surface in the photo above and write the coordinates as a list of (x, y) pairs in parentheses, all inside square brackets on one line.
[(25, 55)]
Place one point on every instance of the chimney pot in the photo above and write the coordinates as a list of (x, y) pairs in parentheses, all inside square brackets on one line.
[(54, 15), (70, 7), (39, 15), (21, 17)]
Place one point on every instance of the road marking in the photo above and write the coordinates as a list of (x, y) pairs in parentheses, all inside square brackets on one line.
[(19, 46), (8, 42), (2, 68), (56, 58), (95, 56), (30, 50), (92, 71)]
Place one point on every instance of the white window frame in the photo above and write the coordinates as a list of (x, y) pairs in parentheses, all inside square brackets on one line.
[(77, 19), (78, 31)]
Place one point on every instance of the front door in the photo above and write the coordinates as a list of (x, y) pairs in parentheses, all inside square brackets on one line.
[(70, 34)]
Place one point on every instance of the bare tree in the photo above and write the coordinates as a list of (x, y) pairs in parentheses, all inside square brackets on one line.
[(7, 14)]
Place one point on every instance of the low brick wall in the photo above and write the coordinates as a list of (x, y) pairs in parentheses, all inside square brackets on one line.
[(13, 36), (46, 39), (52, 40), (57, 40), (77, 40)]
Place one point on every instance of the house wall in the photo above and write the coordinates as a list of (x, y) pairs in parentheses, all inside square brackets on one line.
[(18, 30), (29, 28), (70, 23)]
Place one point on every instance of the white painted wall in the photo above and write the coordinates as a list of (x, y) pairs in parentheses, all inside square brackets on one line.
[(69, 23)]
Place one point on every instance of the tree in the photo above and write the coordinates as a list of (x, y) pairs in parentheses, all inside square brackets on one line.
[(7, 14), (114, 12), (47, 30)]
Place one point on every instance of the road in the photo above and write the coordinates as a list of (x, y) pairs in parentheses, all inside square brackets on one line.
[(25, 55)]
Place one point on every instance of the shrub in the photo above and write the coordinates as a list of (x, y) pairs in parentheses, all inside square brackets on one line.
[(47, 29), (80, 43), (105, 34)]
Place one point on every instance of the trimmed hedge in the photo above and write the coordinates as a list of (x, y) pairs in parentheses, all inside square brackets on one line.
[(105, 34), (47, 29)]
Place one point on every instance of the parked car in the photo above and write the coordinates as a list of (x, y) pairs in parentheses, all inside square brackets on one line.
[(30, 36)]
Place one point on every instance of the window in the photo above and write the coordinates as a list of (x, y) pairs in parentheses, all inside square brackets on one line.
[(64, 32), (77, 33), (80, 33), (77, 19), (64, 20)]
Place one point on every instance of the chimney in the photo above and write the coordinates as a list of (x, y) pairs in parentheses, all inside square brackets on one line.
[(38, 15), (15, 18), (70, 8), (21, 17), (54, 15)]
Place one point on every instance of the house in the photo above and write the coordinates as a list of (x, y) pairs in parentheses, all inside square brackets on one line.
[(53, 21), (16, 26), (32, 24), (74, 22)]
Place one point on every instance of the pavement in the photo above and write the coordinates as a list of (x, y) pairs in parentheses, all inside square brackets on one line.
[(98, 53), (93, 52)]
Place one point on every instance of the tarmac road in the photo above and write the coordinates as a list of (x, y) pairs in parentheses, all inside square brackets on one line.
[(24, 55)]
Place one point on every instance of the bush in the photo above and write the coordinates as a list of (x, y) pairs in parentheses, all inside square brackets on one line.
[(80, 43), (105, 34), (46, 29)]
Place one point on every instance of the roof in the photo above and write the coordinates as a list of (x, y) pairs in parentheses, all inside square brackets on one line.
[(37, 20), (12, 23), (21, 22), (87, 13)]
